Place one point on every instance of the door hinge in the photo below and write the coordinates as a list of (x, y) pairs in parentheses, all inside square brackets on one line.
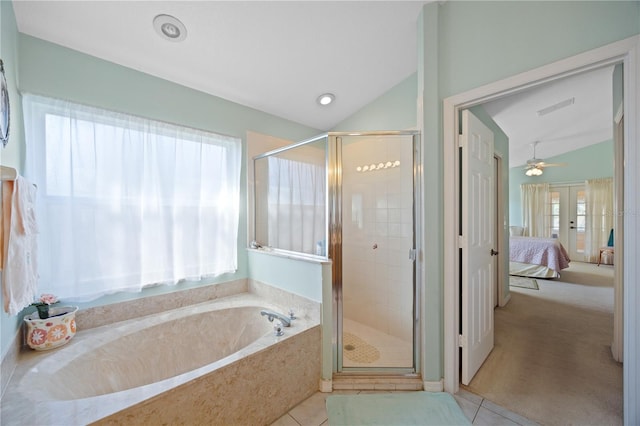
[(461, 341), (461, 242), (460, 140)]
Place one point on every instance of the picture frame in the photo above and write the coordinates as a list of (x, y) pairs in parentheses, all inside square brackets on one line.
[(4, 107)]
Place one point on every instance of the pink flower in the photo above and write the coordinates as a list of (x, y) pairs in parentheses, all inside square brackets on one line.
[(48, 299)]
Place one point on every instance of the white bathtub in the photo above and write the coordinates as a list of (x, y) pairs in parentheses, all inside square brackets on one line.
[(207, 363)]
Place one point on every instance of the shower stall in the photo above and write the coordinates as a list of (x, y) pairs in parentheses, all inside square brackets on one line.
[(352, 198)]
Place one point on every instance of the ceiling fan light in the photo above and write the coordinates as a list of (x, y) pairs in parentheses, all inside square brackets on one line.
[(534, 171)]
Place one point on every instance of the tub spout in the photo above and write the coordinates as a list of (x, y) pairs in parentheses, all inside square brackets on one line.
[(271, 315)]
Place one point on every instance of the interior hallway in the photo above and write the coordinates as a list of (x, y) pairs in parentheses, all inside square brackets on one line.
[(552, 359)]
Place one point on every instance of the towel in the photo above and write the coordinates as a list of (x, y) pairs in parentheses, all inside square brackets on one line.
[(20, 229)]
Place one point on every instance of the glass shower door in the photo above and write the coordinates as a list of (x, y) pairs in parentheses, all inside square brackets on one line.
[(377, 246)]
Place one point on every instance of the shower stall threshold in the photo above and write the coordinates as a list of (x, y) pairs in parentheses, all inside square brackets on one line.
[(412, 382)]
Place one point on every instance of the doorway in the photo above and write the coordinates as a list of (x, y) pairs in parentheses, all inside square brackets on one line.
[(620, 52), (373, 247)]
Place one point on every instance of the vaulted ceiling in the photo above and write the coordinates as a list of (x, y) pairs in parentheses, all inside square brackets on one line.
[(278, 57), (561, 116), (274, 56)]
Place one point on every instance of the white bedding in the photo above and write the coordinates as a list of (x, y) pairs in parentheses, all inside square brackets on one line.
[(532, 271)]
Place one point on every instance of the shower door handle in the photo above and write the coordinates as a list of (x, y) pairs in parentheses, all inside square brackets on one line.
[(412, 254)]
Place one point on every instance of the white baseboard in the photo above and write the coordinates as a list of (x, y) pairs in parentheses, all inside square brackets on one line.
[(505, 300), (434, 386)]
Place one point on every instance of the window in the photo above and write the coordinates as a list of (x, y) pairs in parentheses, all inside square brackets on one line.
[(296, 198), (290, 210), (125, 202)]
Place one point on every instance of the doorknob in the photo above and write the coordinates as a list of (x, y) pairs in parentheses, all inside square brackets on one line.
[(572, 227), (494, 253)]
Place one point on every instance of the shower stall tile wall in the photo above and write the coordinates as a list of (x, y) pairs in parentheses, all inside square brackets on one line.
[(377, 195)]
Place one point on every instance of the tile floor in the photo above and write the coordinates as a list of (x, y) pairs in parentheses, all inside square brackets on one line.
[(479, 411)]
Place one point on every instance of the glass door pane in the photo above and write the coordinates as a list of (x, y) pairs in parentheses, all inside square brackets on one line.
[(577, 229), (377, 236)]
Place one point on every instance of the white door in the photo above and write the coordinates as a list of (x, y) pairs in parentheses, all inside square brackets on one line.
[(498, 223), (477, 243)]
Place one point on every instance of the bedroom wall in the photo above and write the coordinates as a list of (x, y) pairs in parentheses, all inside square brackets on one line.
[(595, 161)]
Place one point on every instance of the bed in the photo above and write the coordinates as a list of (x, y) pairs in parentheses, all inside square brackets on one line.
[(537, 257)]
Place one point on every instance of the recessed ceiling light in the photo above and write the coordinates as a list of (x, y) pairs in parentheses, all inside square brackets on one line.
[(170, 28), (326, 99)]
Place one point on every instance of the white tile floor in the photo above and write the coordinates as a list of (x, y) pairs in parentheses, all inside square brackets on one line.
[(479, 411)]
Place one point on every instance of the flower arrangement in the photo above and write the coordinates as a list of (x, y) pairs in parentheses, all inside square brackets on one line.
[(49, 328), (43, 305)]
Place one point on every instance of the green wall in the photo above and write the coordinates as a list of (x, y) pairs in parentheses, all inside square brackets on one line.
[(394, 110), (595, 161), (10, 154), (464, 45)]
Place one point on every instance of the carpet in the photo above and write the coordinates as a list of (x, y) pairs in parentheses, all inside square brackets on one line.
[(389, 409), (523, 282), (552, 361)]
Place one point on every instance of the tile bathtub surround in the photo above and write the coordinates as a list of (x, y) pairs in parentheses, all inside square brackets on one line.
[(78, 406), (302, 307), (257, 389), (306, 310), (9, 362), (108, 314)]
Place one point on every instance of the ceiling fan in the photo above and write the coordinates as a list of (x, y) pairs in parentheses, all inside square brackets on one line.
[(535, 166)]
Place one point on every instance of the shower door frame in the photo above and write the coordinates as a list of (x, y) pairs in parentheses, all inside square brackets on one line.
[(335, 251)]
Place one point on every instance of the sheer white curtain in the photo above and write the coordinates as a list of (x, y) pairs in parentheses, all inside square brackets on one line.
[(535, 209), (297, 198), (126, 202), (599, 215)]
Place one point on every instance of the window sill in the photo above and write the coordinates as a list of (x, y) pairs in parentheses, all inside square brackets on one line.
[(292, 255)]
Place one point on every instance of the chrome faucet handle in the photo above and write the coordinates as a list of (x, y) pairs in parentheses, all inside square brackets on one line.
[(278, 329), (292, 314)]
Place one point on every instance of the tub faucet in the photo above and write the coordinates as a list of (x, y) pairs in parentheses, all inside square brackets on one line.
[(271, 315)]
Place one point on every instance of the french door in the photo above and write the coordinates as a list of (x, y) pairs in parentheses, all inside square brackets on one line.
[(568, 218)]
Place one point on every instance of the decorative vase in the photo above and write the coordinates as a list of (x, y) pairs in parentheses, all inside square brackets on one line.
[(55, 331)]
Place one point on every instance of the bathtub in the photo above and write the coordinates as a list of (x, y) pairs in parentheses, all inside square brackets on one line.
[(217, 362)]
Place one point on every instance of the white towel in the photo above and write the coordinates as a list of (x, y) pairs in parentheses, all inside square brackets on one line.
[(20, 274)]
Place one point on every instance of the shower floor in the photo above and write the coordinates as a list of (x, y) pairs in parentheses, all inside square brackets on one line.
[(364, 346)]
